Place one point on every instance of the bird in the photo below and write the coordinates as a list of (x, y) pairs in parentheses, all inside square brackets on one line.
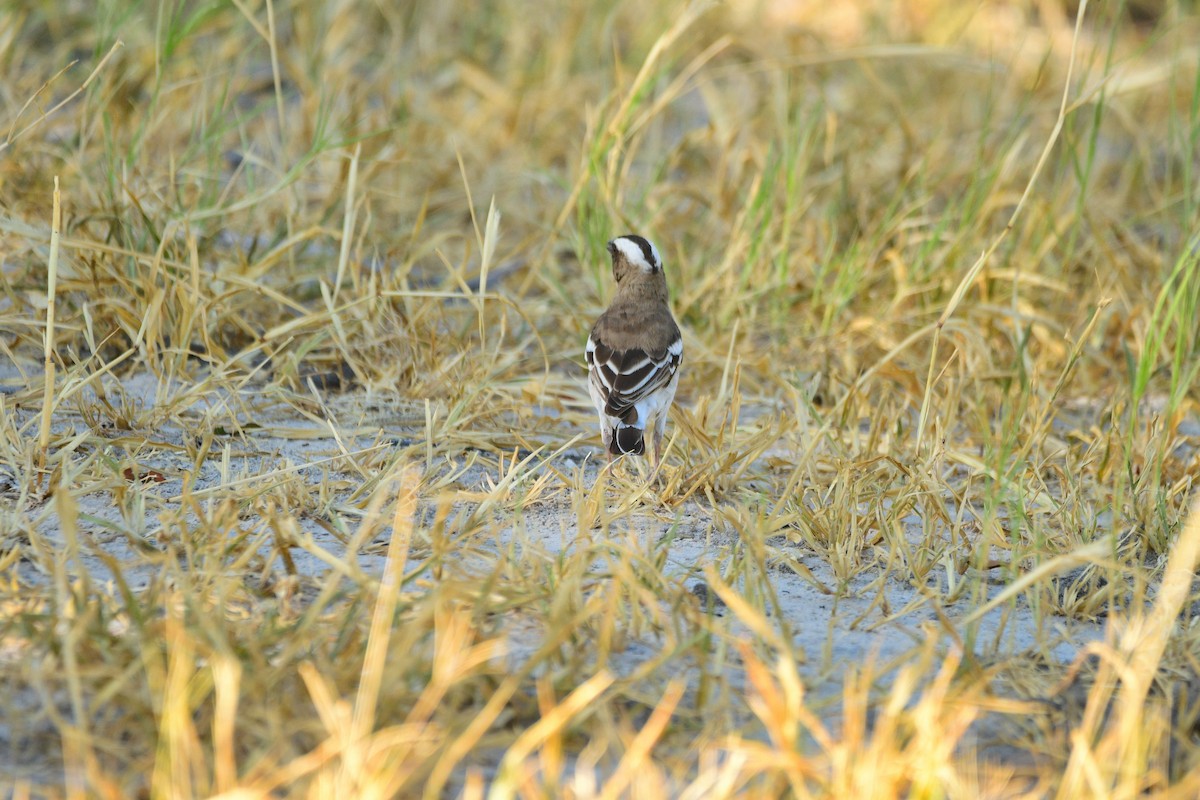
[(634, 352)]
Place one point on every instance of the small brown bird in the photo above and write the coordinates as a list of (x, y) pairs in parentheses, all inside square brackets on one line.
[(633, 353)]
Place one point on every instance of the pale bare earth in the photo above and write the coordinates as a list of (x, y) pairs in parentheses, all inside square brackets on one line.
[(836, 625)]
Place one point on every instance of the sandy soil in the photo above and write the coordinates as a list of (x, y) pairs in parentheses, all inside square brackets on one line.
[(835, 624)]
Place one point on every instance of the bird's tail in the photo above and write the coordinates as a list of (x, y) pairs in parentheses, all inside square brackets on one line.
[(627, 440)]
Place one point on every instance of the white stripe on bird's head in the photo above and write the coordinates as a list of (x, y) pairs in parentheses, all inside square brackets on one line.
[(638, 251)]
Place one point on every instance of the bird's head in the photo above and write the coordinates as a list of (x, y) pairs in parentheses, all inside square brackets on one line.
[(633, 257)]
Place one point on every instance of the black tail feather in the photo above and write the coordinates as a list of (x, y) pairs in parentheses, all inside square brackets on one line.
[(627, 440)]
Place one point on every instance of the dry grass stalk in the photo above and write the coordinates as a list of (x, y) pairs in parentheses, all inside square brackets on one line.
[(48, 347)]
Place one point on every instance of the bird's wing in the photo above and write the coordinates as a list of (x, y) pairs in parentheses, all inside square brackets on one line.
[(625, 377)]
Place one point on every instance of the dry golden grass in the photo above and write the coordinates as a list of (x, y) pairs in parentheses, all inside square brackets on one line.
[(298, 475)]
